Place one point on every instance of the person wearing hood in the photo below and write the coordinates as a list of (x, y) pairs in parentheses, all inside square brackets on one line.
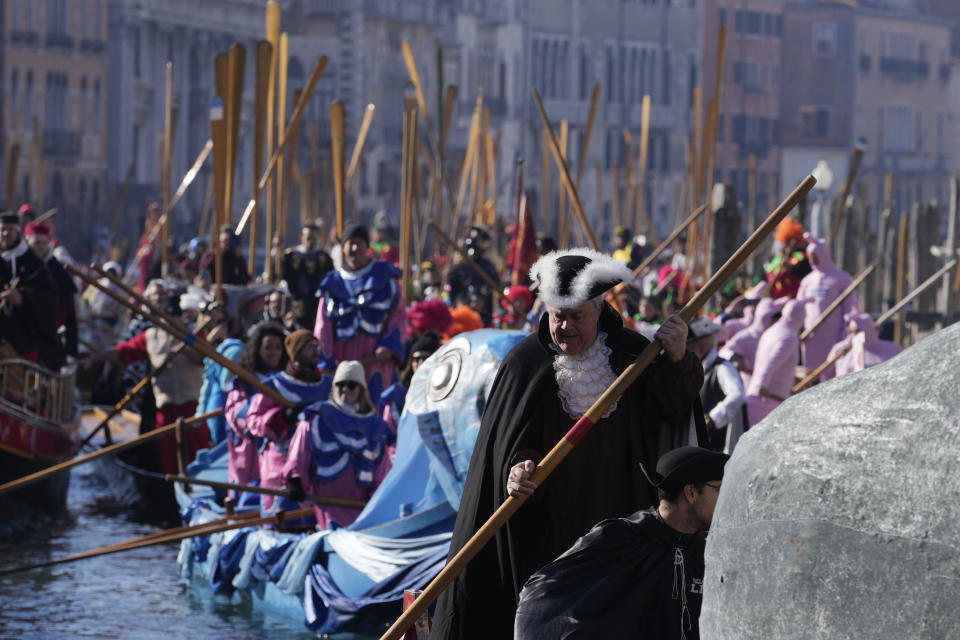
[(742, 347), (301, 382), (216, 377), (339, 449), (362, 313), (28, 298), (633, 577), (817, 290), (775, 363), (866, 349), (543, 386)]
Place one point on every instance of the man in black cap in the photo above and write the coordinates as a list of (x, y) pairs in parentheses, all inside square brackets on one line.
[(304, 267), (464, 281), (636, 577), (28, 298), (362, 314), (543, 386)]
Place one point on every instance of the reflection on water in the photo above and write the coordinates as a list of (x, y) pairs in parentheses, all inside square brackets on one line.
[(132, 594)]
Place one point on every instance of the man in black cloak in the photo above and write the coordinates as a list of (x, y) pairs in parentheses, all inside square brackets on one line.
[(28, 320), (636, 577), (543, 386)]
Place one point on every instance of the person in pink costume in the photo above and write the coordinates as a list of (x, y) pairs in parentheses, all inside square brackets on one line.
[(263, 355), (339, 449), (302, 383), (775, 363), (742, 347), (818, 289), (867, 349), (362, 314), (732, 326)]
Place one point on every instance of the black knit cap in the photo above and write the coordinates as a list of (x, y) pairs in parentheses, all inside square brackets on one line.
[(686, 465), (8, 217), (356, 230)]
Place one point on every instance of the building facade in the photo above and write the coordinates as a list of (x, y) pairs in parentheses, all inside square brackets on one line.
[(876, 74), (54, 63)]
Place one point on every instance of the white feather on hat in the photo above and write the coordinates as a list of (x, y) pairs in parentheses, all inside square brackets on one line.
[(567, 279)]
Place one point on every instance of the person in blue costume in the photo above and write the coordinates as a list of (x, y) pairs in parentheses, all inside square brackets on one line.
[(362, 313), (339, 449), (393, 399), (216, 377), (302, 383)]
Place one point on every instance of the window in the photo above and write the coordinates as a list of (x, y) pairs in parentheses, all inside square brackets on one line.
[(83, 102), (611, 73), (96, 105), (902, 46), (815, 121), (824, 39), (136, 52), (722, 16), (899, 131), (28, 97), (667, 79), (13, 91), (584, 72)]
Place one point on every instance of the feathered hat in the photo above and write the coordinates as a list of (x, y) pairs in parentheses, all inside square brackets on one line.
[(567, 279)]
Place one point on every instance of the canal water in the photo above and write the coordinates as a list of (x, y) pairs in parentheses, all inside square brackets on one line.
[(133, 594)]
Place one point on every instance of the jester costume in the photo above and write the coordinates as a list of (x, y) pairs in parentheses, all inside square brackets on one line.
[(360, 312)]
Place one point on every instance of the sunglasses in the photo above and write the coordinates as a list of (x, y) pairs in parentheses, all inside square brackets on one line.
[(350, 385)]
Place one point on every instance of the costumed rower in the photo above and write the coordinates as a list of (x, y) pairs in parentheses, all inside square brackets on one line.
[(542, 387), (776, 363), (302, 383), (29, 315), (867, 349), (339, 449), (818, 289), (636, 577), (742, 347), (262, 355), (362, 313), (722, 394), (304, 267)]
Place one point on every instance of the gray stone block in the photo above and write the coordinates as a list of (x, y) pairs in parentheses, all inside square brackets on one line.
[(839, 515)]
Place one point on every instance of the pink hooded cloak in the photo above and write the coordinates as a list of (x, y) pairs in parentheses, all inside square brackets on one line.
[(741, 348), (775, 362), (867, 351)]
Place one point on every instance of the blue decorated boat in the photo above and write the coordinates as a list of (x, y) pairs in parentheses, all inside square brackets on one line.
[(352, 579)]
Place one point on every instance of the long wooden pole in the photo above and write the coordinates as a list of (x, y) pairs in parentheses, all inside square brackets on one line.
[(839, 299), (273, 37), (640, 221), (240, 521), (218, 134), (564, 173), (233, 105), (281, 230), (24, 481), (284, 141), (361, 140), (590, 418), (264, 54), (855, 160), (815, 374), (283, 493), (167, 164), (901, 271), (563, 230), (337, 143)]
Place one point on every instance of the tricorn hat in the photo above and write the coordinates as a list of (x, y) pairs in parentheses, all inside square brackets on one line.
[(567, 279), (686, 465)]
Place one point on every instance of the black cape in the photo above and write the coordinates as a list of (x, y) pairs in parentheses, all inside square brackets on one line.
[(33, 324), (600, 479), (621, 580)]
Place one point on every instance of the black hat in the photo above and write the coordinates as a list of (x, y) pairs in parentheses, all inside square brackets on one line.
[(429, 342), (686, 465), (567, 279), (8, 217), (356, 230)]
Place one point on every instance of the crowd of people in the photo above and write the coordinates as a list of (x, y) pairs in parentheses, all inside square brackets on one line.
[(339, 339)]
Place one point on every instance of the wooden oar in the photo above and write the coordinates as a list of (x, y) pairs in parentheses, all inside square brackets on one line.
[(855, 160), (839, 299), (140, 386), (591, 417), (564, 172), (889, 313), (284, 141), (337, 146), (283, 493), (643, 266), (106, 451), (176, 330), (46, 215), (174, 536)]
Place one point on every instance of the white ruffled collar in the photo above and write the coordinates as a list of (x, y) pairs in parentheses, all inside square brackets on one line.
[(582, 378)]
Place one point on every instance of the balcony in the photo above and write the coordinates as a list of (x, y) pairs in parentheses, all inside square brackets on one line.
[(24, 37), (904, 68), (62, 144), (59, 40)]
